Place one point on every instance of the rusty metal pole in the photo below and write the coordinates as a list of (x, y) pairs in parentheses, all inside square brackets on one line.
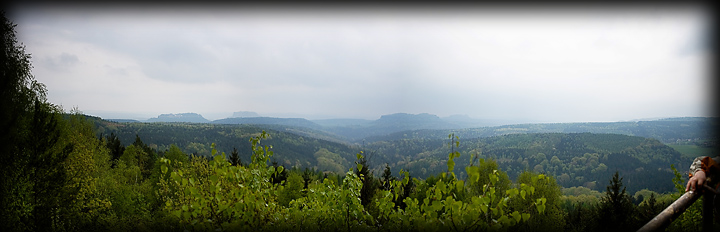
[(663, 220)]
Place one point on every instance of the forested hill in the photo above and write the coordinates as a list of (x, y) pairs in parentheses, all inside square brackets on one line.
[(290, 149), (666, 130), (575, 159)]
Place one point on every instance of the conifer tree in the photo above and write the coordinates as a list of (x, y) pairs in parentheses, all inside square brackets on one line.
[(369, 183), (616, 207), (235, 157), (387, 178), (115, 146)]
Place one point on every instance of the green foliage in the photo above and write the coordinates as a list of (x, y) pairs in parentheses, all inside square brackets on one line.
[(576, 197), (330, 161), (134, 156), (84, 166), (546, 187), (216, 195), (454, 142), (483, 172), (293, 189), (691, 219), (315, 212), (280, 174), (174, 154), (133, 203), (442, 209)]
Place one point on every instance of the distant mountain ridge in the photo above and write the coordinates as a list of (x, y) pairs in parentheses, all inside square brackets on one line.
[(183, 117), (424, 125), (297, 122)]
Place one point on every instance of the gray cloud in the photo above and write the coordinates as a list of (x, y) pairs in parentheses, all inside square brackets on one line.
[(62, 62), (555, 66)]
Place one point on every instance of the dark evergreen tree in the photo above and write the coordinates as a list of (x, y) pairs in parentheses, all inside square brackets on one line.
[(116, 148), (407, 190), (235, 157), (617, 211), (46, 167), (370, 184), (650, 209), (307, 177), (148, 161), (387, 178)]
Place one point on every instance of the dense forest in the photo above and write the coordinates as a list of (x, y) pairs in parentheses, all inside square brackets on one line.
[(575, 159), (71, 172)]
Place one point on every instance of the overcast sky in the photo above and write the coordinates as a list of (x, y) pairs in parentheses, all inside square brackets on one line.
[(562, 65)]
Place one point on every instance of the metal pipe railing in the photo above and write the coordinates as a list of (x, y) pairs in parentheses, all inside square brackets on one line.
[(663, 220), (672, 212)]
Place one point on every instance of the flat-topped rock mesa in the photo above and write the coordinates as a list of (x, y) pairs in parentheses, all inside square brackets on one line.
[(184, 117)]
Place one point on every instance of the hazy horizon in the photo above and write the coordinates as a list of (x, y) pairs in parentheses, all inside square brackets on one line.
[(224, 115), (537, 64)]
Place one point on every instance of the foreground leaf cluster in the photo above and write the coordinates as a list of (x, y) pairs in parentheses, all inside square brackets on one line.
[(215, 195)]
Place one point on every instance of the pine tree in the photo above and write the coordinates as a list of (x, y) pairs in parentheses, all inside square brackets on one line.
[(148, 157), (369, 182), (307, 177), (650, 209), (116, 149), (235, 157), (407, 190), (616, 207), (387, 178)]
